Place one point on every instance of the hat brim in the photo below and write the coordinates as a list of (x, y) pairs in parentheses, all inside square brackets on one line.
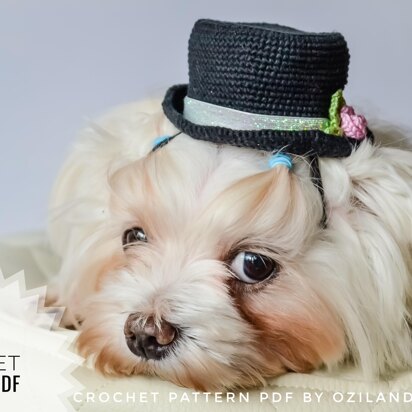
[(305, 142)]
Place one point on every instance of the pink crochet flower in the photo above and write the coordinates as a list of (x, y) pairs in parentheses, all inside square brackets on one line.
[(352, 124)]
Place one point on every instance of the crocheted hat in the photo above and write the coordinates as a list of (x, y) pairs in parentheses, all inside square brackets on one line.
[(267, 87)]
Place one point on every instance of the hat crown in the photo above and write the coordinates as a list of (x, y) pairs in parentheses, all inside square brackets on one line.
[(266, 68)]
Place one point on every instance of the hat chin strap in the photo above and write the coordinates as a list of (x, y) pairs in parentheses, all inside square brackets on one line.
[(317, 181), (208, 114)]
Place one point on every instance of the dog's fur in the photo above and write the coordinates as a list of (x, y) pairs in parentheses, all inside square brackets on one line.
[(343, 293)]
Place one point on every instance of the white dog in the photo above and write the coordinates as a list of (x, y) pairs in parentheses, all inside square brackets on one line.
[(201, 265)]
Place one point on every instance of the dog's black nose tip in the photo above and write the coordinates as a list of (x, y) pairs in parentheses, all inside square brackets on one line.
[(149, 340)]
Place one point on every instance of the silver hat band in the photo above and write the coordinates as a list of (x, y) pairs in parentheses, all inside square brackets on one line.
[(207, 114)]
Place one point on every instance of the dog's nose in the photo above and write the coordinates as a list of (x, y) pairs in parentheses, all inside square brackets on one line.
[(149, 341)]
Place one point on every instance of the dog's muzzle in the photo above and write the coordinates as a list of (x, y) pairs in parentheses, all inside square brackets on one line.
[(149, 340)]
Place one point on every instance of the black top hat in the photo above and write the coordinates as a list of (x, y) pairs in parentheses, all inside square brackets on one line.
[(266, 87)]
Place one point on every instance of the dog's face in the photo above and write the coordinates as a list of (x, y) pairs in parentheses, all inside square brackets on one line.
[(201, 276)]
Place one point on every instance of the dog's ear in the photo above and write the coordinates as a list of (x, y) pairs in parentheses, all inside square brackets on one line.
[(81, 191), (373, 189), (369, 198), (82, 273)]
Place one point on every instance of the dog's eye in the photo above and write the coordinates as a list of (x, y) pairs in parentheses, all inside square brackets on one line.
[(252, 268), (133, 235)]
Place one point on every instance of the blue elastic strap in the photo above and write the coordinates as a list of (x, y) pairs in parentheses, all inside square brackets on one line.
[(280, 159), (162, 141)]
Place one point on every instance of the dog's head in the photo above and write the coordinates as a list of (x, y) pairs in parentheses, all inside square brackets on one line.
[(200, 274)]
